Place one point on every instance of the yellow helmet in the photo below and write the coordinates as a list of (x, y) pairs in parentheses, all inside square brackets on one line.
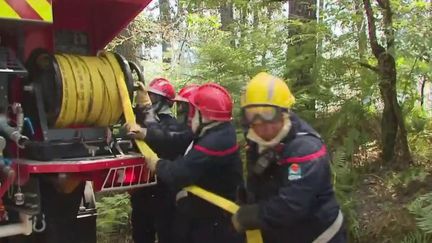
[(265, 89)]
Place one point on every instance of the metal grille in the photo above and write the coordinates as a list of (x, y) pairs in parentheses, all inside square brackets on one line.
[(116, 178)]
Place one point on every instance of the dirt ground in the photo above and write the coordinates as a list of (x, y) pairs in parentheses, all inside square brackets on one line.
[(382, 207)]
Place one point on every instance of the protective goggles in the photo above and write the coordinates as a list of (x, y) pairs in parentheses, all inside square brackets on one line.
[(258, 114), (182, 108), (185, 112)]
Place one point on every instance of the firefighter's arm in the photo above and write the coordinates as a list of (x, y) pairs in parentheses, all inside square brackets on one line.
[(184, 171), (135, 131), (172, 136), (301, 183), (203, 157), (160, 136)]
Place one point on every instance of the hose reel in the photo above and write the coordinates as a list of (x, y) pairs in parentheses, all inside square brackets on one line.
[(81, 90)]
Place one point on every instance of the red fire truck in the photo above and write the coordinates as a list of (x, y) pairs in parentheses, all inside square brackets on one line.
[(49, 169)]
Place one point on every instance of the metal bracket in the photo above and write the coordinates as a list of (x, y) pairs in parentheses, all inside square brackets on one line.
[(90, 148), (40, 222), (117, 144)]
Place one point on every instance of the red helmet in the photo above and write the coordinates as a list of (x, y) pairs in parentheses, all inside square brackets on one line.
[(162, 87), (213, 101), (185, 93)]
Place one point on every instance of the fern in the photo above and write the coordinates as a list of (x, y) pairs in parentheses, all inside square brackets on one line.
[(344, 179), (113, 224), (349, 126), (417, 237), (422, 209), (420, 145)]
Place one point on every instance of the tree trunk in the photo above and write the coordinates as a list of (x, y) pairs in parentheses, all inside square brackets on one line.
[(303, 10), (394, 133), (387, 67), (263, 54), (361, 31), (226, 11), (227, 15), (165, 18), (243, 18), (255, 18), (422, 92), (389, 124)]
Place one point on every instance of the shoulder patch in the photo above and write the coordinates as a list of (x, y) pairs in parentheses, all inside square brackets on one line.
[(294, 172)]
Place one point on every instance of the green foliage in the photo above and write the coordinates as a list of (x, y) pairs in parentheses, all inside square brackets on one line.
[(417, 237), (201, 24), (417, 120), (344, 180), (113, 222), (403, 178), (422, 209), (141, 31), (349, 127), (421, 138)]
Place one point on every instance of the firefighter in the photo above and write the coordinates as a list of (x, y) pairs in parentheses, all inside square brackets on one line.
[(291, 197), (183, 104), (212, 162), (153, 207), (168, 137)]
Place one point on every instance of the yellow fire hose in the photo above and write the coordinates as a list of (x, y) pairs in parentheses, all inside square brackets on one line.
[(90, 95), (101, 102), (252, 236)]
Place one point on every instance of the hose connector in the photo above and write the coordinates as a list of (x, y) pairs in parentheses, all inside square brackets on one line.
[(18, 111), (12, 133)]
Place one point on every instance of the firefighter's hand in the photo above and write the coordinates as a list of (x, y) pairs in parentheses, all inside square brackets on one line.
[(135, 131), (247, 218), (151, 159), (237, 226), (142, 97)]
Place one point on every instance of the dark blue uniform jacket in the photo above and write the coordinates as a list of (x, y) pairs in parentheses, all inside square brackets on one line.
[(293, 199), (213, 163)]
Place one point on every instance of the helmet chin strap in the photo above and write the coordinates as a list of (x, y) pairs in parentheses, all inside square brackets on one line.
[(157, 106), (263, 144), (200, 125), (161, 107)]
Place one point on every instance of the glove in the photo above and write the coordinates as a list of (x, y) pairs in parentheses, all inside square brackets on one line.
[(151, 159), (135, 131), (142, 98), (237, 226), (247, 218)]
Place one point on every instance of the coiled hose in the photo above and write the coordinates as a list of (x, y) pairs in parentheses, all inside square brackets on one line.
[(90, 93)]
